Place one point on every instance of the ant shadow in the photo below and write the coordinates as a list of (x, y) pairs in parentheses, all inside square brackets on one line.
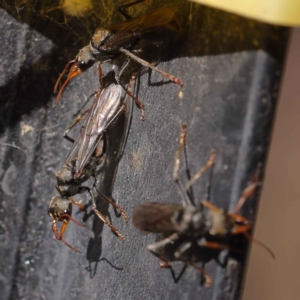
[(94, 257), (178, 277)]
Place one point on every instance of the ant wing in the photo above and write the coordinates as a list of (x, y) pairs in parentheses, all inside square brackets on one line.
[(156, 217), (130, 32), (73, 153), (82, 137), (101, 115)]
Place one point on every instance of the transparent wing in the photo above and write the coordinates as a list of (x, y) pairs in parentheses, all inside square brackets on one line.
[(101, 114), (134, 29), (156, 217)]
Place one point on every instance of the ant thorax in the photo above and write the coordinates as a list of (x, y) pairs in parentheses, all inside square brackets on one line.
[(190, 221), (219, 222), (99, 37), (66, 173)]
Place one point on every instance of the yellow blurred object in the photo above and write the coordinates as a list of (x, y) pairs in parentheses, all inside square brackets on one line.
[(277, 12), (76, 7)]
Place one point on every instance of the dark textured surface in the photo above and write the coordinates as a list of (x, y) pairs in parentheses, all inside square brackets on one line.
[(228, 101)]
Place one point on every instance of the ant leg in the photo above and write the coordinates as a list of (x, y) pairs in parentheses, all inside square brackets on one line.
[(100, 74), (102, 217), (184, 247), (129, 93), (122, 9), (73, 124), (148, 65), (152, 248), (78, 119), (132, 80), (248, 192), (217, 246), (77, 203), (182, 191), (242, 223), (177, 153), (59, 236), (209, 205), (106, 222), (208, 165), (238, 229), (213, 245), (129, 115), (117, 207), (204, 273)]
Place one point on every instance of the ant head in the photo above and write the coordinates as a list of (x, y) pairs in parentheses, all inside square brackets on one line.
[(85, 59), (60, 209)]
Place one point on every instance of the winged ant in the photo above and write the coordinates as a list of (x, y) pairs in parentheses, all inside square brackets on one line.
[(193, 225), (110, 42), (84, 161)]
